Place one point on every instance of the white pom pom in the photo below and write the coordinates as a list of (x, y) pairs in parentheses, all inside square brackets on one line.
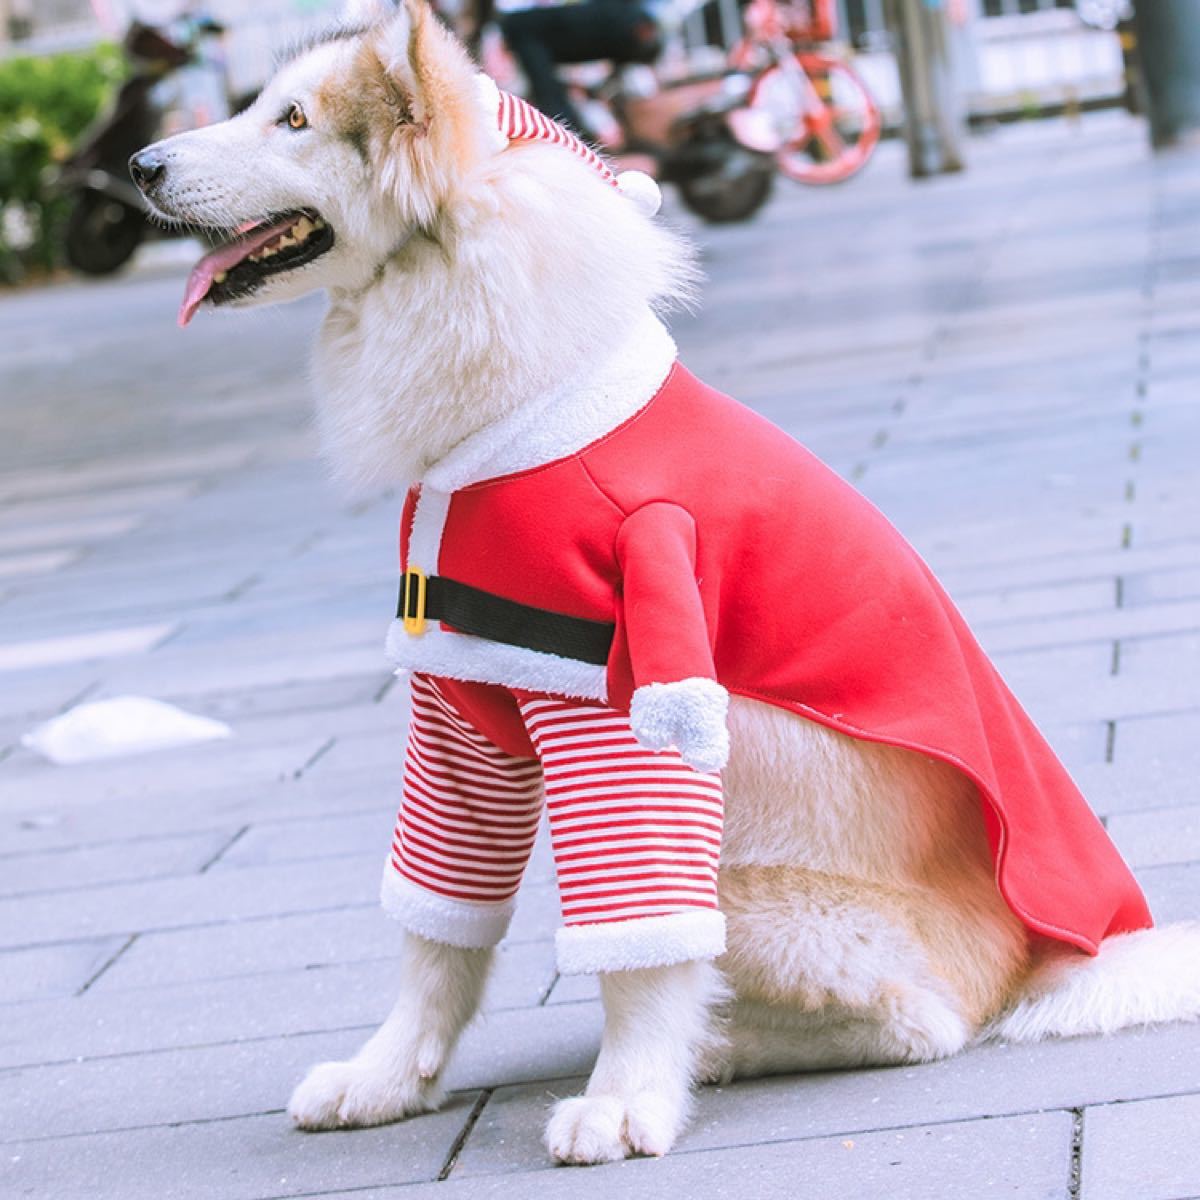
[(489, 100), (642, 190)]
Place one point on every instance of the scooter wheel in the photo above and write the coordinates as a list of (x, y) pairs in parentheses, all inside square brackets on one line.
[(102, 234), (721, 198)]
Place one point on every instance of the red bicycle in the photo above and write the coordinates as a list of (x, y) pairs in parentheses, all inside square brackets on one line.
[(807, 105)]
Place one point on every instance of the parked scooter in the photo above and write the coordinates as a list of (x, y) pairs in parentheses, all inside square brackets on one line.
[(109, 218), (684, 126)]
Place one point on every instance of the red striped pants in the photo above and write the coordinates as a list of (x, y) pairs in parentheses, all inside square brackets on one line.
[(636, 835)]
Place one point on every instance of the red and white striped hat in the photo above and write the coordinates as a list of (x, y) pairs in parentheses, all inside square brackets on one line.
[(519, 121)]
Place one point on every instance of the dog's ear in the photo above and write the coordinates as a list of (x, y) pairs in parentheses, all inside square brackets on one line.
[(430, 81), (417, 54)]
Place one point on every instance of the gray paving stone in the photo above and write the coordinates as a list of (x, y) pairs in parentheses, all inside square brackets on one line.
[(988, 1082), (42, 972), (571, 989), (248, 947), (31, 779), (58, 870), (1134, 785), (1145, 1149), (61, 814), (126, 908), (332, 836), (1181, 617), (315, 999), (243, 1078), (1174, 736), (1059, 569), (1173, 891), (1158, 837), (1026, 1156), (1051, 672), (318, 696), (1156, 586), (247, 1158), (1089, 595)]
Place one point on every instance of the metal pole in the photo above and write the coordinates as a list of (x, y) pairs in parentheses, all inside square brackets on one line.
[(1168, 40), (933, 112)]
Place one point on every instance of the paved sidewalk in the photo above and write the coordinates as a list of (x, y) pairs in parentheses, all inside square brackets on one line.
[(1006, 362)]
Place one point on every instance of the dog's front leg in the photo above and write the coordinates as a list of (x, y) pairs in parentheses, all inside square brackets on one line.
[(398, 1072), (658, 1026)]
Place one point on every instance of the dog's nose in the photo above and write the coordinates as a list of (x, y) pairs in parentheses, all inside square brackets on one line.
[(147, 168)]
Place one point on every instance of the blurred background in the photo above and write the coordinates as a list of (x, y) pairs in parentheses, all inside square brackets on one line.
[(867, 68)]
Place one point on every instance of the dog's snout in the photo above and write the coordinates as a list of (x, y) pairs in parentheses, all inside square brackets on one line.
[(147, 168)]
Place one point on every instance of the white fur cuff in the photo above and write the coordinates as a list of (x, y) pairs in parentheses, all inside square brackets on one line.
[(688, 715), (640, 942), (439, 919)]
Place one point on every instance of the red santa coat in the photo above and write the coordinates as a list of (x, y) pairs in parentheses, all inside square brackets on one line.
[(723, 550)]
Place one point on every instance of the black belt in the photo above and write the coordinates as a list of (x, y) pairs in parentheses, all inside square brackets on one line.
[(472, 610)]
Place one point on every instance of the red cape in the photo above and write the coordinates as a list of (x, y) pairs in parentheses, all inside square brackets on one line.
[(723, 547)]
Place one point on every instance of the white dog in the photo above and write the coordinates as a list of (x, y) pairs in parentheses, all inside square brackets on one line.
[(467, 283)]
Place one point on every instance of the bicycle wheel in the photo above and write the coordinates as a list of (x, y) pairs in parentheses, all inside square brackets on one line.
[(837, 123)]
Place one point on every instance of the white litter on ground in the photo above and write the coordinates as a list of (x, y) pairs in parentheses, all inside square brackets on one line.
[(118, 727)]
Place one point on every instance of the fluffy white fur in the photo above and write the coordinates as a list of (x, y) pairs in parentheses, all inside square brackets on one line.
[(1137, 979), (689, 715), (398, 1072), (863, 923)]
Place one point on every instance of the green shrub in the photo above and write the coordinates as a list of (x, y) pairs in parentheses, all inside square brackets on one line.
[(45, 104)]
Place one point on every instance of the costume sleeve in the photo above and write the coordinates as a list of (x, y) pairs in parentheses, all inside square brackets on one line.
[(677, 701)]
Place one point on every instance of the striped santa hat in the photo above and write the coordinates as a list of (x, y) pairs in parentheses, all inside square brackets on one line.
[(519, 121)]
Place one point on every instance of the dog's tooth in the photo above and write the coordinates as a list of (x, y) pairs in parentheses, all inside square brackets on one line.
[(220, 277), (302, 228)]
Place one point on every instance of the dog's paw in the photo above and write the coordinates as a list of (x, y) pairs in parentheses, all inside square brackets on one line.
[(598, 1129), (347, 1095)]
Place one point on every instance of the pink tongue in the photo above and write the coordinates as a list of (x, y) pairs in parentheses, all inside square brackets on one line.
[(224, 258)]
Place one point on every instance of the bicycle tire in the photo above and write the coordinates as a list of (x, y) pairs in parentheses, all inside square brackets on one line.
[(835, 144)]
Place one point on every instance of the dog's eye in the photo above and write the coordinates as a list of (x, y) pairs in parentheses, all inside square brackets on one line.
[(295, 118)]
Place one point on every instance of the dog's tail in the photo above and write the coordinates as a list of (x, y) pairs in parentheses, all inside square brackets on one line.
[(1137, 978)]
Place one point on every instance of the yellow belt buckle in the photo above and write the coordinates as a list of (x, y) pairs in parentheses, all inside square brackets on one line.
[(414, 600)]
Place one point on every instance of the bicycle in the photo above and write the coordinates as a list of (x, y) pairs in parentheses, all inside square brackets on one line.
[(807, 105)]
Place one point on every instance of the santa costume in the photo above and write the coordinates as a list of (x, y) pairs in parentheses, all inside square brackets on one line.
[(586, 583)]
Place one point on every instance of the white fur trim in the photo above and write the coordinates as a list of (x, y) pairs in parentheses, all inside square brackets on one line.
[(641, 190), (429, 521), (477, 660), (440, 919), (689, 715), (489, 100), (640, 942), (568, 419)]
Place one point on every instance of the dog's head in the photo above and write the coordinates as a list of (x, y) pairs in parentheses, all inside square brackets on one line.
[(354, 145)]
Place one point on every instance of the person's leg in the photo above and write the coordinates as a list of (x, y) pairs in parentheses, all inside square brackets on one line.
[(541, 38), (528, 33)]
